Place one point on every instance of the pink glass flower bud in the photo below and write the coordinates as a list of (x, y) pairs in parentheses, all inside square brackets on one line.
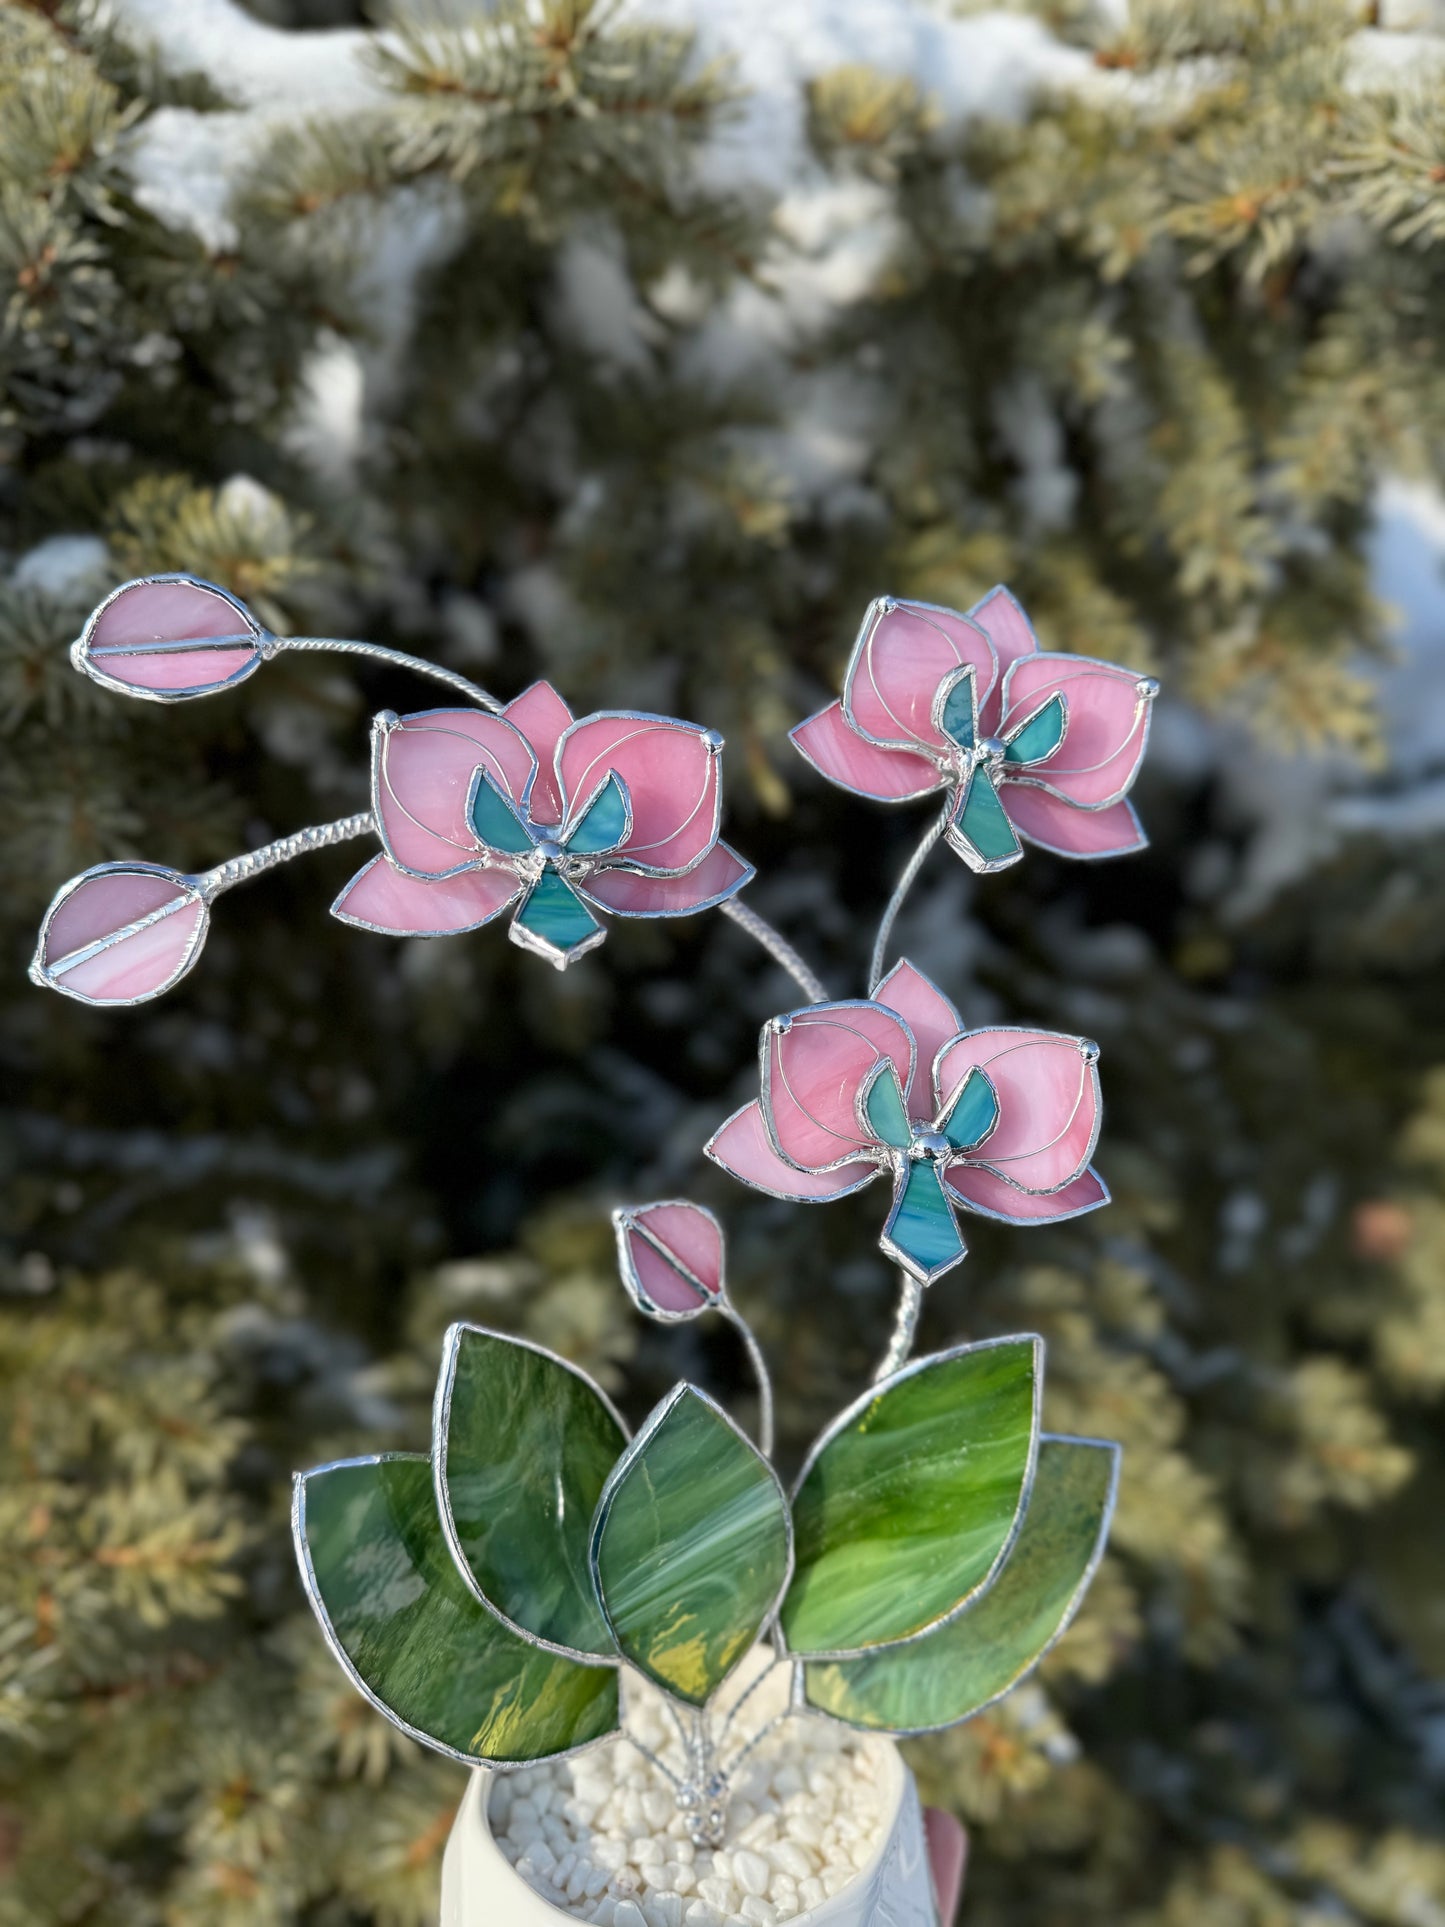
[(671, 1258), (121, 933), (167, 637)]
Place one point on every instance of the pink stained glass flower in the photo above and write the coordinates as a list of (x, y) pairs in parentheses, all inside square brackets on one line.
[(552, 817), (670, 1256), (168, 637), (1001, 1121), (1030, 746), (120, 934)]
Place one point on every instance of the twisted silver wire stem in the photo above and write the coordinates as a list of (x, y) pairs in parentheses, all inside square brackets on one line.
[(333, 645), (320, 836), (777, 947), (905, 883), (760, 1372), (905, 1328)]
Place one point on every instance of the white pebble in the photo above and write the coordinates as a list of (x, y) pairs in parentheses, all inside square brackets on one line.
[(718, 1893), (789, 1858), (628, 1914), (757, 1909), (751, 1871), (659, 1807)]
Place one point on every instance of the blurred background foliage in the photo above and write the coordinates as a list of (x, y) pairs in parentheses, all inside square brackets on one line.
[(484, 357)]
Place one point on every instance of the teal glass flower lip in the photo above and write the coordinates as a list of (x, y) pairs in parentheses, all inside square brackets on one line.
[(1001, 1121)]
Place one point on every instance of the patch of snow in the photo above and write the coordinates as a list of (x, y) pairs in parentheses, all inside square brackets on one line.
[(988, 62), (326, 429), (597, 305), (279, 69), (64, 566)]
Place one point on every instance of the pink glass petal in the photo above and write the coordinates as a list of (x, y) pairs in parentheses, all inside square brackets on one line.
[(687, 1272), (424, 766), (1067, 830), (671, 773), (947, 1857), (814, 1070), (1048, 1102), (542, 717), (929, 1015), (146, 613), (994, 1197), (381, 897), (899, 663), (721, 874), (742, 1147), (1000, 615), (150, 959), (848, 759), (660, 1284), (1108, 724)]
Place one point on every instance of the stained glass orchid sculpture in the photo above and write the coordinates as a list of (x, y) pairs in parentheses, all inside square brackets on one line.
[(494, 1595), (1001, 1121)]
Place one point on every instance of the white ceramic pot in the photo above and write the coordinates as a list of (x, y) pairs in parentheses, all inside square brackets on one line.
[(480, 1888)]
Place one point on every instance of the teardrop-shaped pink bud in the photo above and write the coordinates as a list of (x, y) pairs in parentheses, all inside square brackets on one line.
[(166, 637), (671, 1258), (121, 933)]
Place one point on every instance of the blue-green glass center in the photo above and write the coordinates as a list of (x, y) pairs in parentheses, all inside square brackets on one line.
[(887, 1118), (973, 1112), (1040, 736), (957, 718), (921, 1227), (494, 819), (983, 823), (603, 824), (555, 915)]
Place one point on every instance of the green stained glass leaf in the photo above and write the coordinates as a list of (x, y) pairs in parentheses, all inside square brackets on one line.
[(973, 1112), (950, 1674), (553, 916), (690, 1546), (523, 1445), (383, 1584), (982, 824), (1040, 736), (957, 717), (911, 1497), (883, 1106), (603, 824), (494, 819), (922, 1231)]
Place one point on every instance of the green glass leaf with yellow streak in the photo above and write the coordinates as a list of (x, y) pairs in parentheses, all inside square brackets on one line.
[(690, 1546), (383, 1584), (912, 1496), (951, 1674)]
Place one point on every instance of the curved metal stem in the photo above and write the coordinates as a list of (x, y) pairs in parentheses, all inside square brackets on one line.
[(334, 645), (905, 884), (757, 1739), (239, 869), (651, 1758), (905, 1328), (777, 947), (760, 1372)]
